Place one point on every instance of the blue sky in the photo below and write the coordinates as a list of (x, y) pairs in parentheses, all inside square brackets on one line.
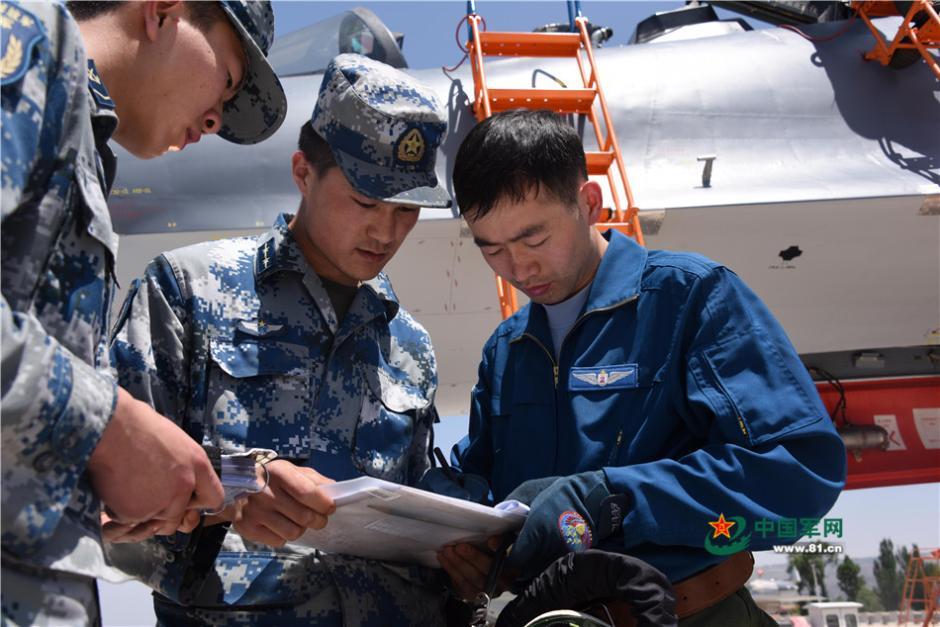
[(429, 26)]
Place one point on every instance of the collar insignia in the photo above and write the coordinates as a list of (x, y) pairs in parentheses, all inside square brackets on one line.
[(97, 88), (265, 258)]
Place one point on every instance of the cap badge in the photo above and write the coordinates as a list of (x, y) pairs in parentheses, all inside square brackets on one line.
[(411, 146)]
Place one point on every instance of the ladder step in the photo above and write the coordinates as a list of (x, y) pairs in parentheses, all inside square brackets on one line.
[(598, 162), (530, 44), (624, 227), (562, 100)]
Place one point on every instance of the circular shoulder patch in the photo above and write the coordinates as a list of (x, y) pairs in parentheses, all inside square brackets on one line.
[(21, 31), (575, 531)]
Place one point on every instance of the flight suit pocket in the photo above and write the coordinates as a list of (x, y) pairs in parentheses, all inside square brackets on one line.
[(754, 388), (385, 429), (261, 394), (524, 436), (612, 402)]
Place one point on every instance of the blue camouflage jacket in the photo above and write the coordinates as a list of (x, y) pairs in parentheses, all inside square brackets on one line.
[(237, 341), (678, 382), (58, 251)]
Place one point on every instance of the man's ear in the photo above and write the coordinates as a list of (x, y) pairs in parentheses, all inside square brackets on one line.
[(591, 201), (157, 15), (300, 171)]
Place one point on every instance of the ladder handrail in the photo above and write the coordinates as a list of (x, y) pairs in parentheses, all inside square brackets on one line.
[(631, 216), (476, 65), (574, 12), (471, 10)]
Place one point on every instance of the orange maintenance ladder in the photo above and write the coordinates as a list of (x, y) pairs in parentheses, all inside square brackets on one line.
[(921, 585), (587, 100), (918, 33)]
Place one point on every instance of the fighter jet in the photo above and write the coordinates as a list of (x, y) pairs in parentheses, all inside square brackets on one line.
[(780, 152)]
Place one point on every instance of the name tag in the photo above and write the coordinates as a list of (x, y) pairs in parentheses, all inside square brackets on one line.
[(614, 377)]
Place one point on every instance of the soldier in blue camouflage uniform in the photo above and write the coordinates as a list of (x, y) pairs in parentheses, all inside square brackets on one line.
[(71, 437), (295, 341)]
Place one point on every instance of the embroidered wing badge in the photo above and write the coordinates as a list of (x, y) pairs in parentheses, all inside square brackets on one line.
[(588, 377), (613, 377), (602, 378)]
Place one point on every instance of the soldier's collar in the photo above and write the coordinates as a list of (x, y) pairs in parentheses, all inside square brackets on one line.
[(617, 282), (382, 287), (277, 251), (103, 116), (620, 273)]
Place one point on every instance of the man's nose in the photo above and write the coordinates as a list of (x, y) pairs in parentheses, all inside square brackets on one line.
[(382, 227), (523, 267)]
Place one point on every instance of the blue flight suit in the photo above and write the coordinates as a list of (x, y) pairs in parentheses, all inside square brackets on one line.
[(58, 252), (237, 341), (680, 385)]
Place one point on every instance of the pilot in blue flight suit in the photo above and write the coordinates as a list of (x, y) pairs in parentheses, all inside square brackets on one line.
[(642, 395)]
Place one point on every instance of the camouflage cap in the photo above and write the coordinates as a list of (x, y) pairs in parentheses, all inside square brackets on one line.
[(384, 128), (259, 107)]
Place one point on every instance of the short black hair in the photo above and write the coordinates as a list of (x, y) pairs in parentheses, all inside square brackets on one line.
[(510, 153), (316, 151), (203, 14), (83, 10)]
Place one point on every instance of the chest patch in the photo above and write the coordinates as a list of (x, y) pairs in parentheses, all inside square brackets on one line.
[(613, 377)]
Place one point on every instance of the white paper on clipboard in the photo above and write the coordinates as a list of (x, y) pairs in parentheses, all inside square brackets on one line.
[(385, 521)]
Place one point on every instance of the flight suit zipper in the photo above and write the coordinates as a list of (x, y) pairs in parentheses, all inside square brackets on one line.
[(555, 366), (720, 387), (548, 353), (613, 453), (551, 358), (625, 301)]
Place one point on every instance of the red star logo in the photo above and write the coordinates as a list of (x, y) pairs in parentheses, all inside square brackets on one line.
[(722, 527)]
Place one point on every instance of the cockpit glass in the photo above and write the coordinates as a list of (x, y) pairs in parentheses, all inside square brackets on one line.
[(354, 36), (310, 49)]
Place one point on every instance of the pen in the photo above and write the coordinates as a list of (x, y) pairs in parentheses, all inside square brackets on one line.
[(444, 465)]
